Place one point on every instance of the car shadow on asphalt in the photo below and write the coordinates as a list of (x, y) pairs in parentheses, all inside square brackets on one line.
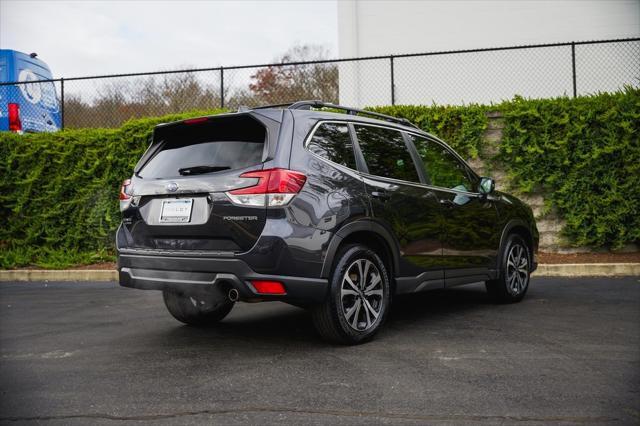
[(275, 324), (435, 304)]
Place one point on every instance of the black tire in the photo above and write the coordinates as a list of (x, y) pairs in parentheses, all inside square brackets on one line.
[(515, 271), (202, 308), (339, 319)]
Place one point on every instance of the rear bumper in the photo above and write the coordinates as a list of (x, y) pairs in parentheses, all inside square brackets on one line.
[(151, 272)]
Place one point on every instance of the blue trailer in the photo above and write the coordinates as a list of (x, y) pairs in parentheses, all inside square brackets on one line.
[(31, 107)]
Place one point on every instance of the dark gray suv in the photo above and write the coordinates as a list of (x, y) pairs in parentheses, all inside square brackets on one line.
[(329, 211)]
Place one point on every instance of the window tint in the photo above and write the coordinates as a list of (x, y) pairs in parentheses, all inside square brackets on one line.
[(442, 167), (216, 145), (332, 141), (386, 153)]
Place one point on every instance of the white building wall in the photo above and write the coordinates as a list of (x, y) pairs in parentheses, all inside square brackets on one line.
[(371, 28)]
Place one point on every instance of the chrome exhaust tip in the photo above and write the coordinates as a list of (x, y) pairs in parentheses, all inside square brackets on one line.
[(234, 296)]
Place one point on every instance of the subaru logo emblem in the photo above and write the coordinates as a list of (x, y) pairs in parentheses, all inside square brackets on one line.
[(172, 187)]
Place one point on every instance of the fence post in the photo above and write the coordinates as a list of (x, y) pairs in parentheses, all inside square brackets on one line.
[(393, 83), (221, 87), (62, 103), (573, 68)]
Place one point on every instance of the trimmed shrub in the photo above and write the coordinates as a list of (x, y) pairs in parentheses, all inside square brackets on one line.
[(583, 154), (58, 191), (461, 127)]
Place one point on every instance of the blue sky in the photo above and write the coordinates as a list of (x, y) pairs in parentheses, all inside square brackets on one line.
[(115, 36)]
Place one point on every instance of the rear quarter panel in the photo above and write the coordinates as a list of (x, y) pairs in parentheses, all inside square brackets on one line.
[(332, 196)]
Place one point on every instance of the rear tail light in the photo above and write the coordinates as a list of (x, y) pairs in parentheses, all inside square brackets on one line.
[(125, 190), (268, 287), (275, 188), (125, 194), (15, 125)]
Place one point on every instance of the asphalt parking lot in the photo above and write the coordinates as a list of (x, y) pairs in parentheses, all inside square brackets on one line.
[(79, 353)]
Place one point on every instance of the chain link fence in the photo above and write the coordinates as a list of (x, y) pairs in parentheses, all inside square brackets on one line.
[(454, 77), (109, 101)]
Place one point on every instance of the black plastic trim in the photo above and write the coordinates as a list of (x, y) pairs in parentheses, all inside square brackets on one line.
[(430, 280), (184, 274)]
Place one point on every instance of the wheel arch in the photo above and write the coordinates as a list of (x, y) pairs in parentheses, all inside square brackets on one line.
[(369, 233), (517, 227)]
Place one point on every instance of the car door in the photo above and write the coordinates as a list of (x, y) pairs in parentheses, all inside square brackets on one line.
[(401, 202), (471, 237)]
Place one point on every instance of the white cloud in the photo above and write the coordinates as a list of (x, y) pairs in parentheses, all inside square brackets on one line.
[(104, 37)]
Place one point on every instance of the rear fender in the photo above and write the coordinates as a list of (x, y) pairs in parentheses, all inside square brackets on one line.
[(359, 226)]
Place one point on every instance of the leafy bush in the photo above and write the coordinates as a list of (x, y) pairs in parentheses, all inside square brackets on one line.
[(58, 192), (460, 126), (584, 155)]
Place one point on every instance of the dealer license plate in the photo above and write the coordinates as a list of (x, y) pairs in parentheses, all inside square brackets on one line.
[(176, 211)]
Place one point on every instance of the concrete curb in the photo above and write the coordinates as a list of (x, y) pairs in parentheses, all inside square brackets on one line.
[(59, 275), (587, 270), (544, 270)]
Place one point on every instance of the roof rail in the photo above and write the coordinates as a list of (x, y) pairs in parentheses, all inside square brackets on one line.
[(349, 110), (308, 104)]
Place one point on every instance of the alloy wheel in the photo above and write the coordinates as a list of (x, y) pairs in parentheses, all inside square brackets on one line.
[(517, 270), (361, 294)]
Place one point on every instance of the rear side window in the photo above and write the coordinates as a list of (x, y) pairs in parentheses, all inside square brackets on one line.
[(386, 153), (211, 146), (332, 142)]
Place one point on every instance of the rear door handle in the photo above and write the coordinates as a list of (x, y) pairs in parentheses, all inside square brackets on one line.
[(446, 202)]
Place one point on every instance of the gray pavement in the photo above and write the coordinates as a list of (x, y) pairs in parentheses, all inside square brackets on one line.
[(94, 353)]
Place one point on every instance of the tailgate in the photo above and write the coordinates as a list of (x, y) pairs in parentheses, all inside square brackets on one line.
[(178, 191)]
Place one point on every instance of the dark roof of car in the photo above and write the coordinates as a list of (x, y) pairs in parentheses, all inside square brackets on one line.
[(318, 110), (336, 116), (309, 104), (315, 109)]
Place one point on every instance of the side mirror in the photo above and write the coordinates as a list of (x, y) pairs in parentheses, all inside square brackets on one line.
[(487, 185)]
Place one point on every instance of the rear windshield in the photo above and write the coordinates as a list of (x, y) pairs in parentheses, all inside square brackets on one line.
[(212, 146)]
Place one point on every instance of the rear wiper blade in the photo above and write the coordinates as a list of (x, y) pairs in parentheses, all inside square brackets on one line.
[(198, 170)]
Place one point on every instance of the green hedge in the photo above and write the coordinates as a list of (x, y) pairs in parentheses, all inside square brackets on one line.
[(461, 127), (58, 192), (584, 155)]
